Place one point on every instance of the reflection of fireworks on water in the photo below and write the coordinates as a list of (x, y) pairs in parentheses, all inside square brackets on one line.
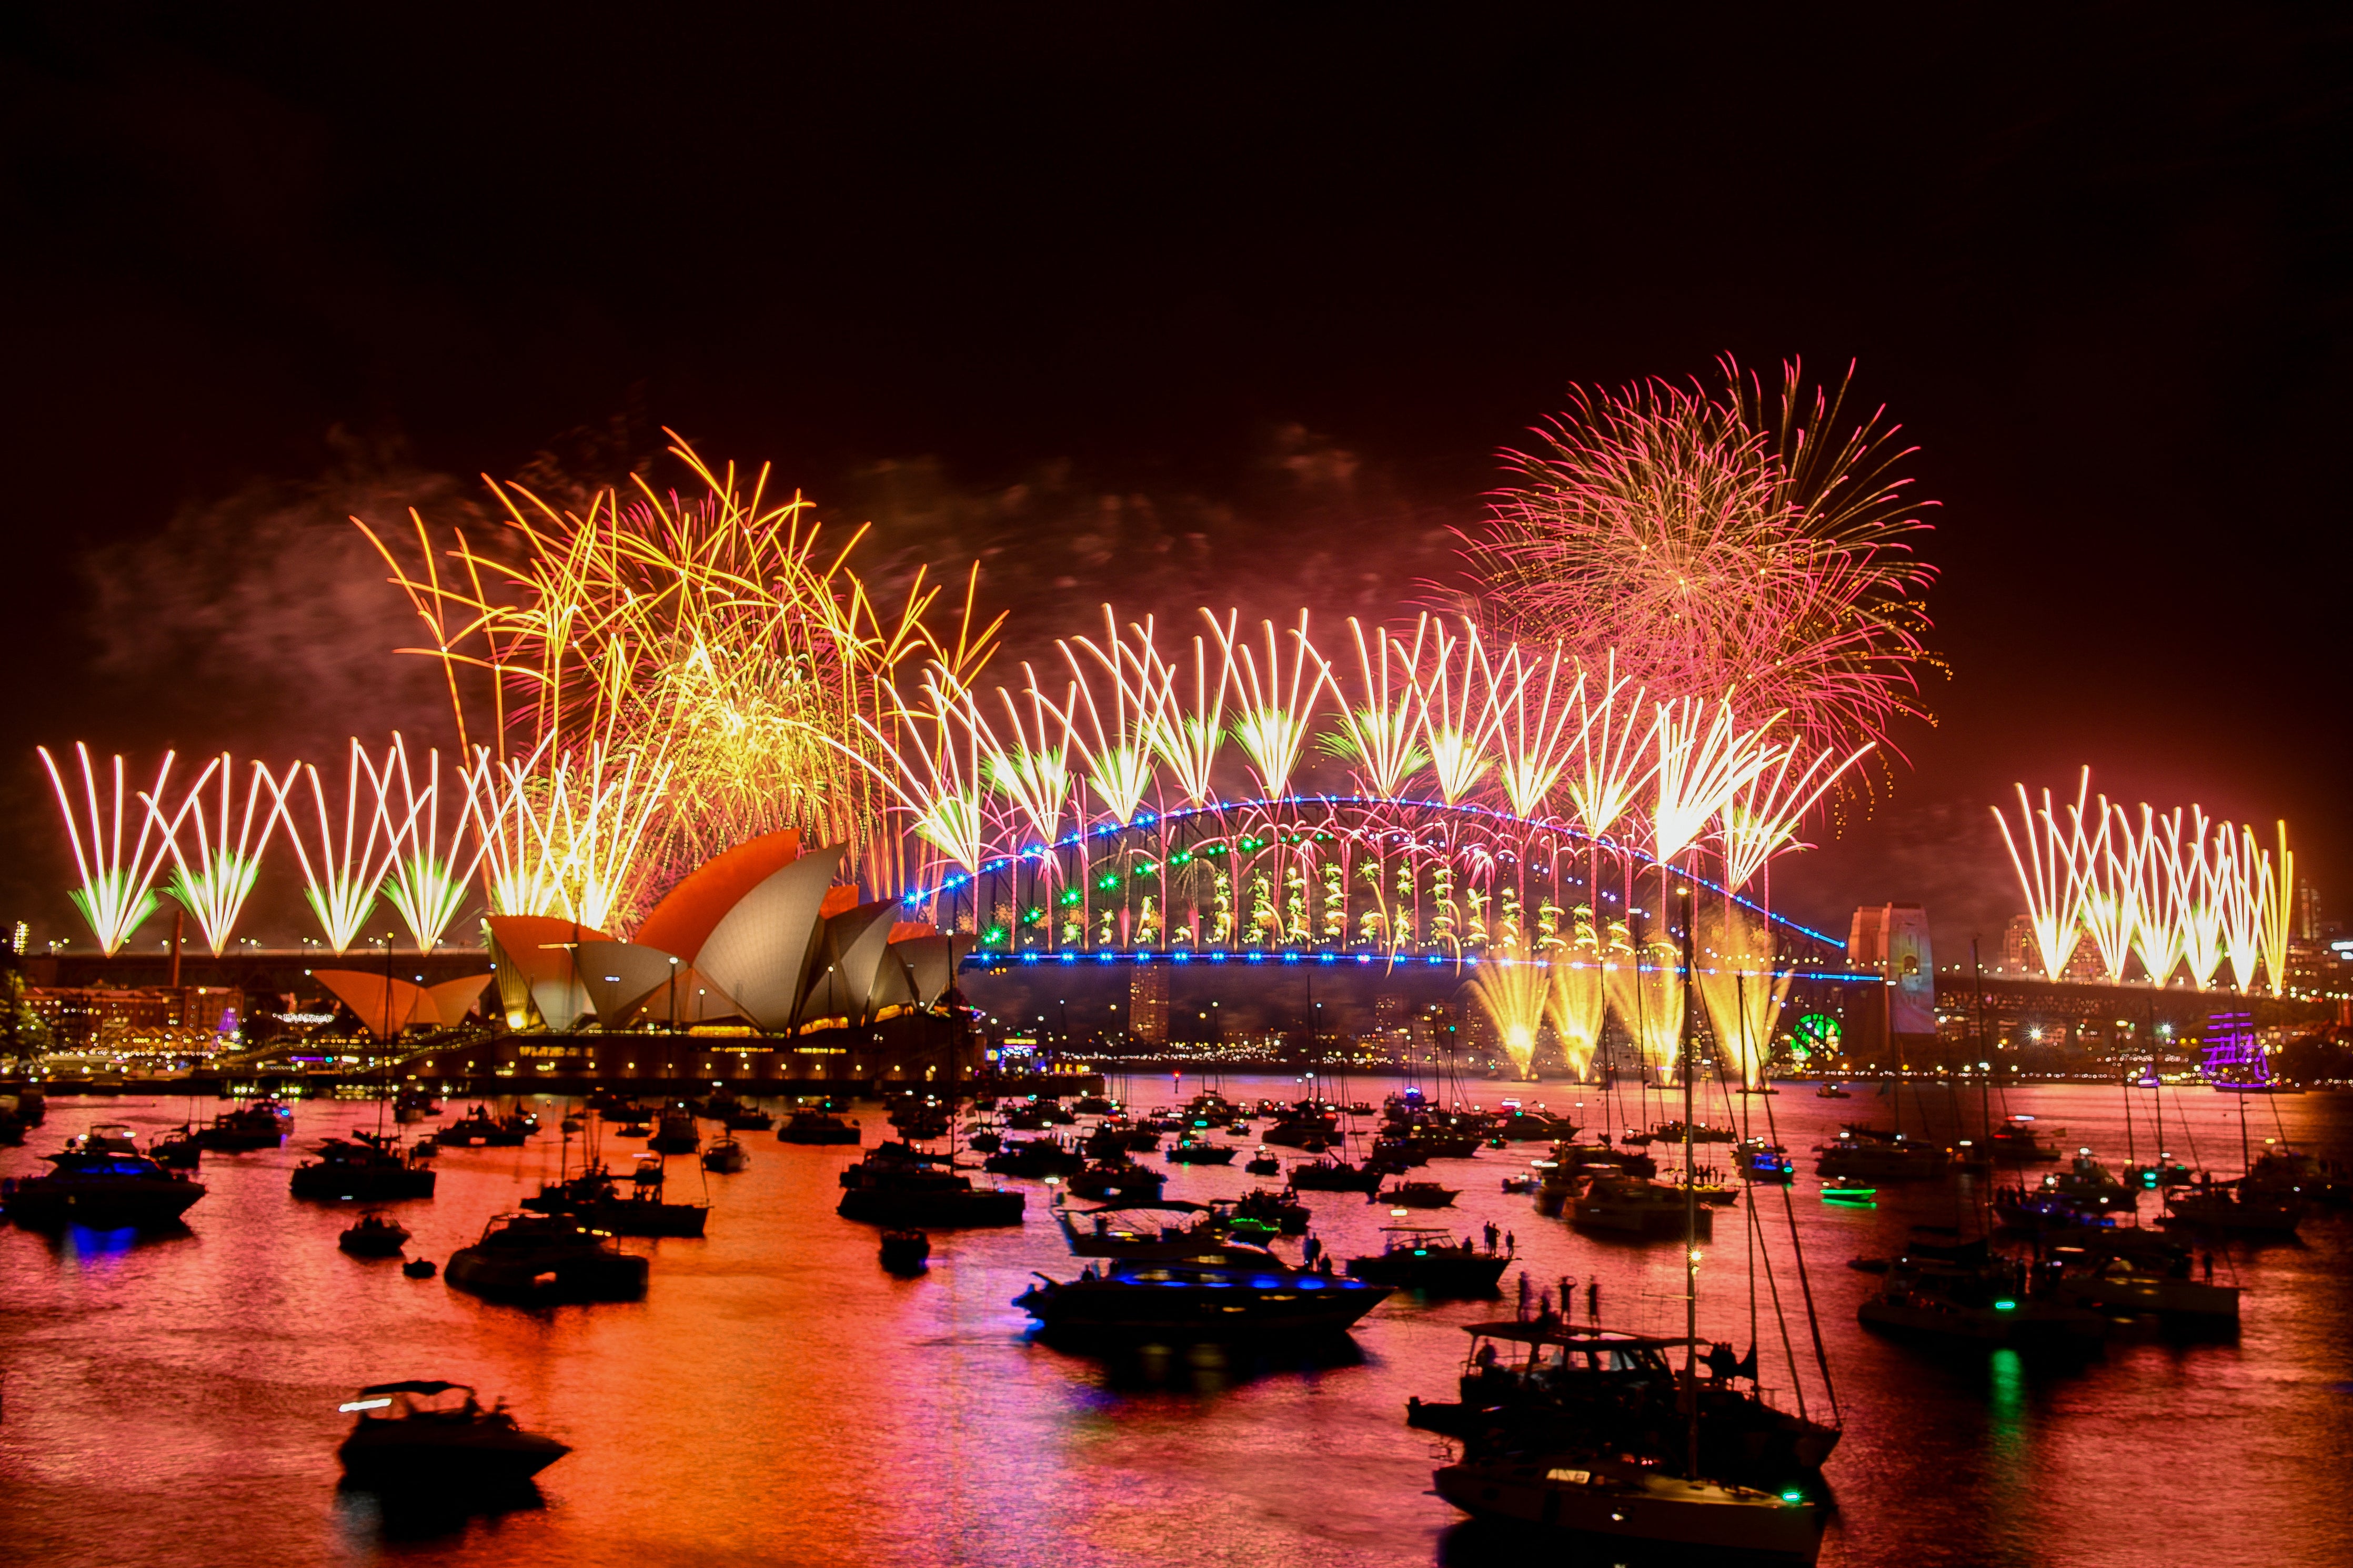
[(1716, 546), (2170, 891), (115, 893)]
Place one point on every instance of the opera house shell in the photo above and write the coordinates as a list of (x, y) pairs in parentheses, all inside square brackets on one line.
[(758, 935)]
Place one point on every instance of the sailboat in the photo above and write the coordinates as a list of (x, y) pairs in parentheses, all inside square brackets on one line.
[(1597, 1492)]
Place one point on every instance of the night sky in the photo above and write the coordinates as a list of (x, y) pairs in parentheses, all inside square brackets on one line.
[(1186, 303)]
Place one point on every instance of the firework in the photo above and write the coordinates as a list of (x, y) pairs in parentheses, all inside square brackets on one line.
[(2155, 867), (2277, 900), (1613, 758), (722, 638), (1512, 989), (1575, 1002), (2199, 881), (1532, 728), (2241, 868), (1276, 716), (424, 885), (1761, 818), (521, 863), (1191, 733), (1459, 715), (214, 888), (1714, 545), (1119, 755), (341, 875), (1034, 770), (116, 893), (2102, 870), (1645, 990), (2047, 874), (1703, 764), (1377, 734), (939, 771), (1739, 989)]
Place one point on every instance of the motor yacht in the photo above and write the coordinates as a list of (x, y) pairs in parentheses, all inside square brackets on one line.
[(102, 1189), (402, 1439), (1432, 1262), (1181, 1300), (543, 1258)]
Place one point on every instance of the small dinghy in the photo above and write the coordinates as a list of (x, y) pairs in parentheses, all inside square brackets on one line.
[(906, 1251)]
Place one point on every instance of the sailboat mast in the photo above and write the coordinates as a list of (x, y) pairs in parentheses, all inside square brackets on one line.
[(1691, 1203)]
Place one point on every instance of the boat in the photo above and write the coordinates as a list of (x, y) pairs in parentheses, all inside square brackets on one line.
[(1283, 1211), (1047, 1156), (177, 1150), (1851, 1191), (1172, 1301), (262, 1125), (1416, 1196), (904, 1187), (2220, 1205), (817, 1127), (1262, 1163), (635, 1127), (727, 1157), (103, 1189), (595, 1200), (418, 1268), (366, 1167), (1332, 1176), (1108, 1179), (1630, 1206), (1415, 1258), (2118, 1282), (400, 1443), (1832, 1092), (905, 1251), (1762, 1161), (1878, 1156), (1189, 1151), (1701, 1132), (677, 1133), (1955, 1291), (1606, 1497), (375, 1236), (470, 1131), (412, 1105), (2088, 1183), (2015, 1142), (545, 1257), (1306, 1125)]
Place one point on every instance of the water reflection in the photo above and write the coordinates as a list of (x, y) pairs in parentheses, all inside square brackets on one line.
[(367, 1517)]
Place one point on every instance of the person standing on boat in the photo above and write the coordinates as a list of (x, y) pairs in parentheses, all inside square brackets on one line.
[(1314, 1249), (1493, 1233), (1593, 1300)]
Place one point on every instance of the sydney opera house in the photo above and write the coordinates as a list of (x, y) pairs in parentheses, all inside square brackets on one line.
[(756, 944)]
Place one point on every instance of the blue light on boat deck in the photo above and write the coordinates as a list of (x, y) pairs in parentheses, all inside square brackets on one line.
[(1310, 1283), (1263, 1282)]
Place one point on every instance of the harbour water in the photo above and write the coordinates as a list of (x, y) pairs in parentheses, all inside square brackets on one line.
[(777, 1398)]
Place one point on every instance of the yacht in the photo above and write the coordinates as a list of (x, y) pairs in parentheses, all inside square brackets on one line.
[(1607, 1497), (1955, 1291), (101, 1188), (1629, 1205), (541, 1257), (727, 1156), (375, 1236), (262, 1125), (402, 1439), (364, 1168), (1415, 1257), (1416, 1196), (905, 1188), (1876, 1156), (817, 1127), (1184, 1301)]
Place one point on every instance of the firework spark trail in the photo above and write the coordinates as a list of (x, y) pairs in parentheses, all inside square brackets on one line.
[(426, 885), (1459, 715), (1646, 991), (1614, 758), (1376, 735), (602, 812), (2276, 897), (340, 883), (1532, 727), (520, 862), (1511, 988), (938, 780), (1034, 771), (1716, 543), (114, 895), (2158, 923), (1189, 742), (1118, 755), (2239, 874), (1575, 1001), (1762, 818), (2046, 874), (1273, 724), (1740, 990), (2105, 902), (722, 637), (214, 887), (2201, 902), (1703, 764)]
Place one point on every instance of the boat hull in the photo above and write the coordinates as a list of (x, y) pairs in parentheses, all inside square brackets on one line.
[(2040, 1327), (1455, 1274), (41, 1202), (1155, 1311), (346, 1184), (1656, 1509), (537, 1278), (444, 1457), (930, 1211)]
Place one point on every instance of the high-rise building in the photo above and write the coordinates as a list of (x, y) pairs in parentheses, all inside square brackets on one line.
[(20, 937), (2021, 954), (1147, 1005)]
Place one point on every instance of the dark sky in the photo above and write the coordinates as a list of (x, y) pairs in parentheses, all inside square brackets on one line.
[(1283, 277)]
